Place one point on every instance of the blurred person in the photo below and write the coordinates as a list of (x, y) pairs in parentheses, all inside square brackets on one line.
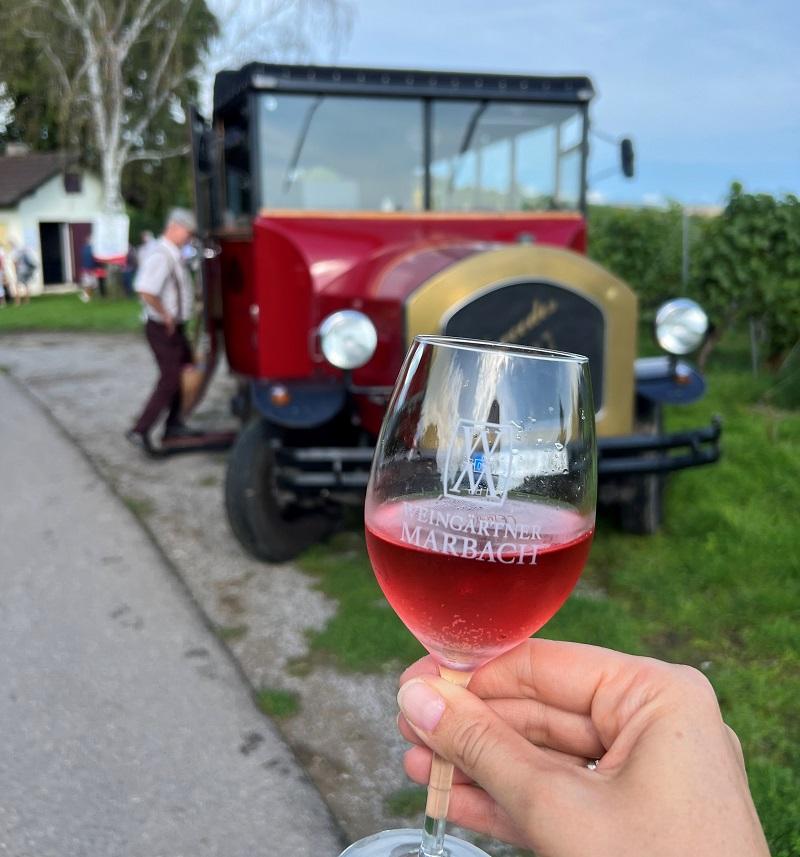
[(25, 265), (3, 297), (89, 272), (8, 277), (573, 750), (129, 270), (165, 287)]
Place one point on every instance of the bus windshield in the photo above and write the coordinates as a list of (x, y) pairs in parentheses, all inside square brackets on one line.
[(348, 153), (498, 156)]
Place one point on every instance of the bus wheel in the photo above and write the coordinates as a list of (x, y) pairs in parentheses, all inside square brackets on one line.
[(267, 527)]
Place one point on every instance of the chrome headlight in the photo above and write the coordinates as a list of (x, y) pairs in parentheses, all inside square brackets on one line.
[(348, 339), (681, 326)]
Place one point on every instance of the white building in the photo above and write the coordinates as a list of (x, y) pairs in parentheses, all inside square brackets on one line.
[(47, 203)]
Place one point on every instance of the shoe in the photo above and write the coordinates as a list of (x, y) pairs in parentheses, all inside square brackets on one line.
[(180, 432), (140, 441), (84, 298)]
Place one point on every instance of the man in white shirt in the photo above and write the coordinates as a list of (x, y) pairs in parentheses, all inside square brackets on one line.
[(165, 287)]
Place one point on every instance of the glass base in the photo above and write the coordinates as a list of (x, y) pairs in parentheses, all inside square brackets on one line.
[(405, 843)]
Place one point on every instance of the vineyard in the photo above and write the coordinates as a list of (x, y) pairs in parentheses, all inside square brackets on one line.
[(743, 265)]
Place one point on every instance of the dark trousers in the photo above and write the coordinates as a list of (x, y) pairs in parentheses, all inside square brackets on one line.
[(172, 353)]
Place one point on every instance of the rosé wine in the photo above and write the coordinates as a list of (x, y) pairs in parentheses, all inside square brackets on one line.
[(473, 584)]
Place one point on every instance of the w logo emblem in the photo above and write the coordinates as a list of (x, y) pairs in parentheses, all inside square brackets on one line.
[(478, 463)]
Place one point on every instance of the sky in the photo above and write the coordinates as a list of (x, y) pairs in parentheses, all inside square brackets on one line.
[(708, 90)]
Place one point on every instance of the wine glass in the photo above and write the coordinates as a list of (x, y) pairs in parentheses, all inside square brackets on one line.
[(479, 515)]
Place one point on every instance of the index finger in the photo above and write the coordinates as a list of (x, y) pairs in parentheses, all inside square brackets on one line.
[(563, 675)]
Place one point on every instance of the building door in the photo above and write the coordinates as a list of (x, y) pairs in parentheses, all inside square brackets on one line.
[(52, 253), (79, 235)]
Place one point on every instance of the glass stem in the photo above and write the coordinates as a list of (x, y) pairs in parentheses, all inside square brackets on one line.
[(441, 780)]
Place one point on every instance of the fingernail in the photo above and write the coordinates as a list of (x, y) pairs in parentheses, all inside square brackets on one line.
[(421, 704)]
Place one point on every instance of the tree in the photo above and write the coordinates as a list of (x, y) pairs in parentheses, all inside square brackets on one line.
[(31, 114), (6, 108), (747, 269), (276, 30), (642, 246), (116, 75), (111, 78)]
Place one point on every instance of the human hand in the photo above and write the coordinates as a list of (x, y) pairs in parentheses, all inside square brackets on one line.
[(169, 323), (670, 781)]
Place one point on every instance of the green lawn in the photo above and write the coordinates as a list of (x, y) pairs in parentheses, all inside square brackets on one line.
[(718, 588), (66, 312)]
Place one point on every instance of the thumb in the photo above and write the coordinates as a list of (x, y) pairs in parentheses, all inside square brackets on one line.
[(527, 783)]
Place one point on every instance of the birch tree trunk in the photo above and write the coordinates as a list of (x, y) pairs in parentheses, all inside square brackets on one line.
[(111, 173)]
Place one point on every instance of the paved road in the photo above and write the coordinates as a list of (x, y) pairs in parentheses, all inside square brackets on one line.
[(344, 731), (124, 727)]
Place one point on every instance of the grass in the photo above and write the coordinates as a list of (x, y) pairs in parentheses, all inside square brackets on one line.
[(277, 703), (67, 313), (231, 633), (407, 802), (364, 635), (718, 588), (785, 391), (140, 506)]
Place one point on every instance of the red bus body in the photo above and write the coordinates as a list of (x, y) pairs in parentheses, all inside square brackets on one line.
[(311, 214), (298, 268)]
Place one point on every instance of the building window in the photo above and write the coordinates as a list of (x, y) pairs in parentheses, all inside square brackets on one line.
[(72, 182)]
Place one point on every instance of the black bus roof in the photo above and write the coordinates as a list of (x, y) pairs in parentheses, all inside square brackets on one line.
[(229, 86)]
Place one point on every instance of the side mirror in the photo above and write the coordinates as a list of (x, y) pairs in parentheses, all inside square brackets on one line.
[(627, 157)]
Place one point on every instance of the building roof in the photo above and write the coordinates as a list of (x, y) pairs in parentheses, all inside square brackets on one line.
[(21, 175)]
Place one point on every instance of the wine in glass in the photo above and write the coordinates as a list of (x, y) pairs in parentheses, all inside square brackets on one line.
[(479, 516)]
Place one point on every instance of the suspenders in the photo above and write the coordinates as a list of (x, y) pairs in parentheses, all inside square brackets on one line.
[(176, 282)]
